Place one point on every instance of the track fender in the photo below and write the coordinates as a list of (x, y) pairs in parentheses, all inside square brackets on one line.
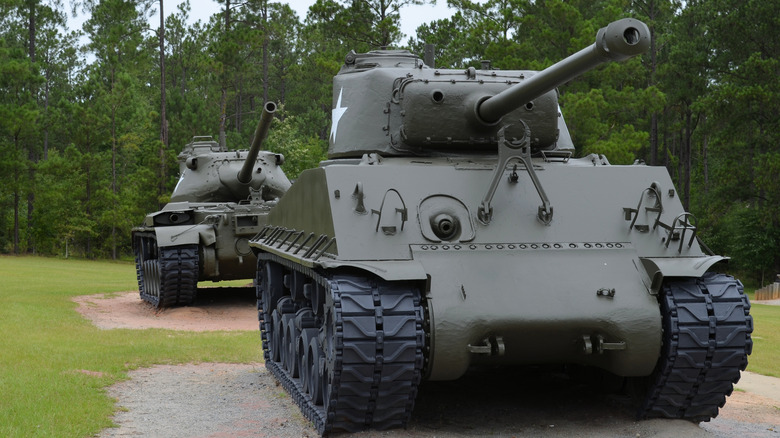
[(660, 267), (185, 235), (390, 270)]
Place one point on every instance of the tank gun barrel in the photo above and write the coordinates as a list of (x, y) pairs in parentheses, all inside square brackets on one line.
[(618, 41), (245, 174)]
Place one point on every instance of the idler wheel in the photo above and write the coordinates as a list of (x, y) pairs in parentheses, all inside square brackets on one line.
[(272, 285)]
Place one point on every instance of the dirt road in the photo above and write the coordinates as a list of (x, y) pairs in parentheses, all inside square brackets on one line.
[(229, 400)]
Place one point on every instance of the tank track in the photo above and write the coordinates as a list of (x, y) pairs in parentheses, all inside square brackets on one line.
[(707, 326), (365, 342), (166, 276)]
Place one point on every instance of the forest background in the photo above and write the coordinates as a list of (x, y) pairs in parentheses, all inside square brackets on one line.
[(91, 120)]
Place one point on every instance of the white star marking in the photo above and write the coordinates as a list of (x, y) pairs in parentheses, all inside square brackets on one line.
[(179, 183), (336, 116)]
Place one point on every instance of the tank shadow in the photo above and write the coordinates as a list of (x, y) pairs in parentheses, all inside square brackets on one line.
[(529, 401), (225, 296)]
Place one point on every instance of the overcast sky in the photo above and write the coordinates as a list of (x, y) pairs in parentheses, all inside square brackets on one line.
[(411, 16)]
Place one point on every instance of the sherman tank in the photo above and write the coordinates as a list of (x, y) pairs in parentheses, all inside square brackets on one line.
[(222, 199), (451, 228)]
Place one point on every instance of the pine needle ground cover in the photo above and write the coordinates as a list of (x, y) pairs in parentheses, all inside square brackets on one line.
[(55, 365)]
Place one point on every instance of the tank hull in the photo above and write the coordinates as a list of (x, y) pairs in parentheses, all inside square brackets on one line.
[(221, 230), (191, 242), (607, 283), (539, 289)]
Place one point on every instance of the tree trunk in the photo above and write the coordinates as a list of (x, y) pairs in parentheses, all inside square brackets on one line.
[(31, 156), (163, 118), (665, 143), (30, 198), (685, 160), (16, 221), (652, 13), (704, 157), (114, 153), (88, 201), (223, 98), (265, 51), (654, 139), (113, 180), (223, 118), (17, 197), (237, 104), (31, 29), (46, 111)]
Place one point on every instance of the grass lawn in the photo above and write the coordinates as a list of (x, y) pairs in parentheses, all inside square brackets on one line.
[(766, 340), (55, 366), (766, 337)]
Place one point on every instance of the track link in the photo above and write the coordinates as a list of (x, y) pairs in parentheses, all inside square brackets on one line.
[(707, 326), (166, 276), (365, 342)]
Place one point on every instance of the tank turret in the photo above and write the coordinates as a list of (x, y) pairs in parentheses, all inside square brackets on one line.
[(391, 103), (419, 251), (211, 173), (222, 198)]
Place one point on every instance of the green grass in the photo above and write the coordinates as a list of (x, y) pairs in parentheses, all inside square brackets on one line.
[(751, 293), (766, 340), (766, 337), (47, 348)]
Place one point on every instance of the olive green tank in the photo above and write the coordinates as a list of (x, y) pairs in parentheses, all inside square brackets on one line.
[(453, 228), (222, 199)]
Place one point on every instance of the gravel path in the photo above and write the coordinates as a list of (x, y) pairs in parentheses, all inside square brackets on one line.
[(239, 400), (208, 400), (230, 400)]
